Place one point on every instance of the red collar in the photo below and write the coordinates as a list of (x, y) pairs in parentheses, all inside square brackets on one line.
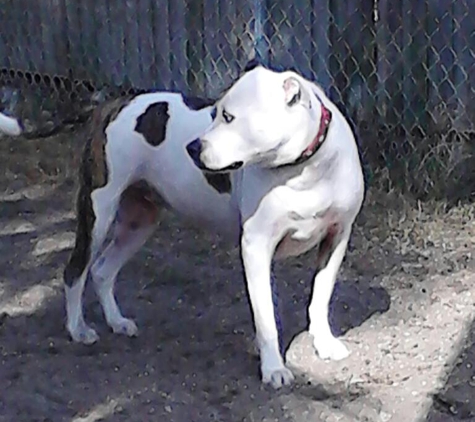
[(325, 120)]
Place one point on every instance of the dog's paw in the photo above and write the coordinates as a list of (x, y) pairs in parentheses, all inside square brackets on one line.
[(125, 326), (85, 335), (277, 377), (330, 349)]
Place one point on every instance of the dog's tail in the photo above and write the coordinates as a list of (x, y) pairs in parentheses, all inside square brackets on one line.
[(10, 125)]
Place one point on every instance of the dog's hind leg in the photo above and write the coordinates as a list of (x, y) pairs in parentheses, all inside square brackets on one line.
[(135, 223), (94, 217), (331, 254), (100, 188)]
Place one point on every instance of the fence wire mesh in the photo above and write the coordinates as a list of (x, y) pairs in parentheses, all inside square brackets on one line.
[(402, 71)]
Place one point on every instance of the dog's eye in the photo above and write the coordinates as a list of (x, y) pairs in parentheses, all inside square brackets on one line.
[(213, 113), (228, 118)]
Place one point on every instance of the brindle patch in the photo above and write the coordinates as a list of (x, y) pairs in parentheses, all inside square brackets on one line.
[(142, 192), (93, 174), (220, 182), (153, 123), (139, 205), (102, 117)]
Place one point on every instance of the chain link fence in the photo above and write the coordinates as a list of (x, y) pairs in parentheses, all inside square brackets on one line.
[(403, 71)]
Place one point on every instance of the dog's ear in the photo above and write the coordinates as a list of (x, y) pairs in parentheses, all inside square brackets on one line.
[(252, 64), (293, 91)]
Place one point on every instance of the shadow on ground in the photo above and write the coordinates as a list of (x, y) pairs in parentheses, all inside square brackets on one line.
[(455, 401)]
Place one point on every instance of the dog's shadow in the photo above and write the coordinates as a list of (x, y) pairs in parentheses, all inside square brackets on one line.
[(353, 303)]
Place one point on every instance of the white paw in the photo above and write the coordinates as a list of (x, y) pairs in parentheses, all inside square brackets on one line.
[(84, 334), (125, 326), (330, 348), (277, 377)]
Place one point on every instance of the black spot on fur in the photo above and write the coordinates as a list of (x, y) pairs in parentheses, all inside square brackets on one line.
[(196, 103), (153, 123), (221, 182)]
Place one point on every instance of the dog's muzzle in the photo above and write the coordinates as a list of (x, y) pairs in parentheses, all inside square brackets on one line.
[(194, 150)]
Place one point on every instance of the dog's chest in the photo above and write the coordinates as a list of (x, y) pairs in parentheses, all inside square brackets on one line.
[(305, 234)]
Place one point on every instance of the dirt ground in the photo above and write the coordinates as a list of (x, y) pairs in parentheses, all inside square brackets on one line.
[(403, 303)]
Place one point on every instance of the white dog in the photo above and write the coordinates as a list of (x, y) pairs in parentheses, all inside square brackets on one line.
[(9, 125), (273, 165)]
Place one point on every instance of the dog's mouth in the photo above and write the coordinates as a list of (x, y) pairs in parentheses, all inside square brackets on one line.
[(234, 166)]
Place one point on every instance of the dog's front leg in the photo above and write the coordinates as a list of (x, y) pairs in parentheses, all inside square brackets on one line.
[(325, 343), (257, 249)]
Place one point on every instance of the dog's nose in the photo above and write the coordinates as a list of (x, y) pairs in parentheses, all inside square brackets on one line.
[(194, 151)]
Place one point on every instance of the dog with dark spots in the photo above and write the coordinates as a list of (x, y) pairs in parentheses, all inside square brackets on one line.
[(272, 165), (134, 164)]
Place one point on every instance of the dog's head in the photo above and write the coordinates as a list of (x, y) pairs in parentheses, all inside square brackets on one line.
[(266, 117)]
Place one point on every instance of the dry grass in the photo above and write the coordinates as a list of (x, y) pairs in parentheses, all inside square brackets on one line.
[(439, 165)]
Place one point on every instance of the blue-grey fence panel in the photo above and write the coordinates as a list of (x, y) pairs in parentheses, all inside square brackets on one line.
[(415, 49), (340, 51), (14, 30), (229, 39), (132, 44), (351, 58), (440, 55), (289, 32), (280, 34), (60, 36), (300, 18), (117, 43), (245, 29), (4, 50), (178, 37), (88, 30), (32, 48), (161, 44), (5, 40), (76, 56), (320, 34), (212, 79), (220, 44), (146, 44), (104, 40), (464, 69), (389, 61), (196, 55), (259, 27), (48, 36)]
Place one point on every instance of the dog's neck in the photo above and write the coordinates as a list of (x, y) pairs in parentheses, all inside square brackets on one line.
[(314, 146)]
